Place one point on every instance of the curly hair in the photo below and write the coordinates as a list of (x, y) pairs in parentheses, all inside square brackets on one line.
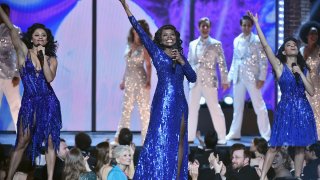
[(103, 149), (145, 27), (283, 58), (51, 46), (74, 165), (305, 29), (157, 37)]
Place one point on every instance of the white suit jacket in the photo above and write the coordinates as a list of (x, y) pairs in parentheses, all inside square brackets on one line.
[(205, 65), (251, 65)]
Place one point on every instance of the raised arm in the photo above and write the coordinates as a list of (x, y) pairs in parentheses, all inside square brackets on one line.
[(151, 47), (19, 46), (126, 7), (275, 62)]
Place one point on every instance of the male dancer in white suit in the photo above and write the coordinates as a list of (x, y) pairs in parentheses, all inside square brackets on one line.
[(248, 72), (204, 55)]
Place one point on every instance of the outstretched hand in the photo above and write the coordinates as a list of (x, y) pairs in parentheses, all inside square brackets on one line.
[(126, 7), (253, 17)]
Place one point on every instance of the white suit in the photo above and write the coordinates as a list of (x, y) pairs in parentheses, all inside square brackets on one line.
[(203, 56), (249, 64)]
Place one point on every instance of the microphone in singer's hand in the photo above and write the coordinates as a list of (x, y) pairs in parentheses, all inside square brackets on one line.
[(40, 57), (174, 47), (296, 75)]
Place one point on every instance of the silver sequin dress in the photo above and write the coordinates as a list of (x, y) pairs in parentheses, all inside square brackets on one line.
[(313, 62), (135, 79)]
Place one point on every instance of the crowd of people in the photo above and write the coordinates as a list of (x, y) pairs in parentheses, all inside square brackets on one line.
[(170, 123)]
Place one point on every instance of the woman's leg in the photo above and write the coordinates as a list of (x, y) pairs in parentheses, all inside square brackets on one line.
[(23, 141), (181, 145), (298, 161), (50, 158), (268, 161)]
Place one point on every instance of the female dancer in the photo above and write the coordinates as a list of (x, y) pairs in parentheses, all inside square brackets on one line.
[(309, 34), (39, 118), (165, 151), (294, 123), (136, 81)]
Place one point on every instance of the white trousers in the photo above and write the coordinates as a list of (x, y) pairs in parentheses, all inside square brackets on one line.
[(217, 116), (239, 94), (13, 98)]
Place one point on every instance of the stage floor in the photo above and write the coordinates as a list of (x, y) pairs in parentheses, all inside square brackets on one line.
[(8, 138)]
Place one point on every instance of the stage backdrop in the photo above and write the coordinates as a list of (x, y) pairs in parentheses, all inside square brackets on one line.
[(71, 23)]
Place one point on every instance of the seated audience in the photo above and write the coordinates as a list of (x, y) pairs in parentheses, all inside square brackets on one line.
[(202, 155), (240, 169), (76, 166), (281, 164), (103, 160), (83, 142), (121, 162), (41, 173), (259, 148), (312, 154), (193, 168)]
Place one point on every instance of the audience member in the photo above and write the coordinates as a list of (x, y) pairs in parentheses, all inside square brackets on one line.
[(281, 164), (312, 154), (241, 169), (76, 166), (41, 173), (83, 142), (103, 160), (202, 155), (259, 148), (121, 162)]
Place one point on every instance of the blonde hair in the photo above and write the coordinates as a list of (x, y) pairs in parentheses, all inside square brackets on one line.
[(118, 151)]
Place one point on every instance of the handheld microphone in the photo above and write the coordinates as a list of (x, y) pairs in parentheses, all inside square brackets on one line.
[(296, 75), (40, 57), (174, 62)]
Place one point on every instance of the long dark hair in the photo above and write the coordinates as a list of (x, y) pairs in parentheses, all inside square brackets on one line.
[(283, 58), (51, 46), (103, 158), (157, 37)]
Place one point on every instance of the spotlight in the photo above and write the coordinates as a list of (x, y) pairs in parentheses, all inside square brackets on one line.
[(202, 101), (228, 100)]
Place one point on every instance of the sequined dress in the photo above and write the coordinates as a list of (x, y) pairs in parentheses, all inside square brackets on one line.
[(40, 110), (135, 80), (313, 62), (159, 155), (294, 123)]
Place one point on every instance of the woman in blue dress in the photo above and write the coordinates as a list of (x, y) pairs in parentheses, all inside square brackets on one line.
[(165, 151), (294, 123), (39, 119)]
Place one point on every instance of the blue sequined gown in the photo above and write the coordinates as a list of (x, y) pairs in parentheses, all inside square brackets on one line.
[(159, 155), (294, 123), (40, 110)]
